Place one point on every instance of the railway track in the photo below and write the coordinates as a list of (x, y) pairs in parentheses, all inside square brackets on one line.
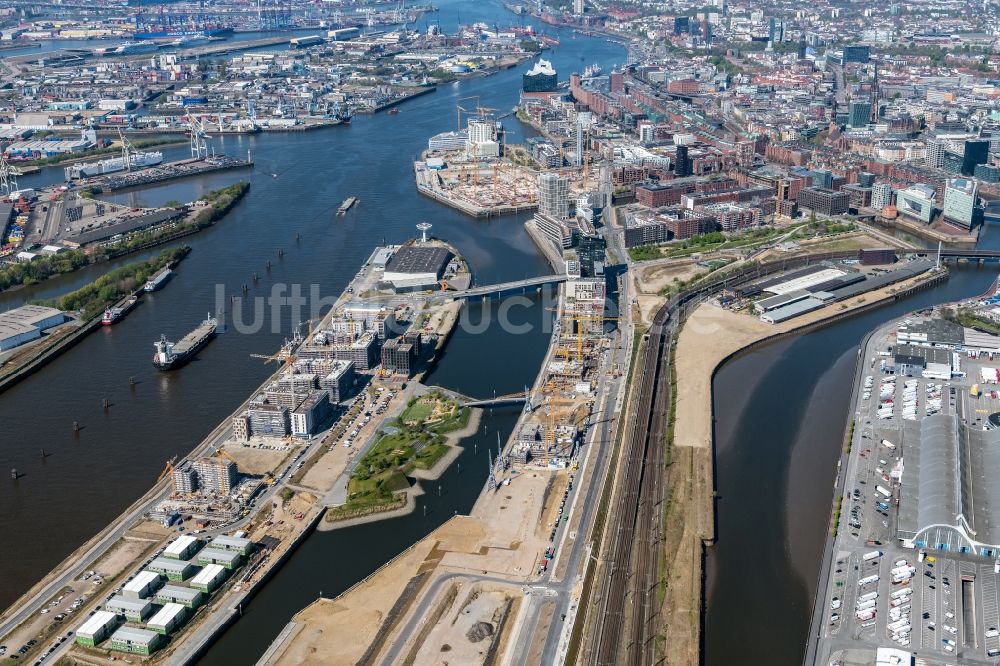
[(624, 631)]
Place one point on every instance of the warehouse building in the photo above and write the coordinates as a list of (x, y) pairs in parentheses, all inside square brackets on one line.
[(227, 558), (209, 578), (143, 585), (136, 641), (174, 570), (26, 323), (97, 628), (135, 610), (182, 548), (917, 361), (176, 594), (792, 310), (241, 545), (169, 618), (933, 332), (416, 267), (949, 497)]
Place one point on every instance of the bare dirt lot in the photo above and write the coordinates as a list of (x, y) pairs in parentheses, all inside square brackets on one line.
[(469, 620), (255, 460)]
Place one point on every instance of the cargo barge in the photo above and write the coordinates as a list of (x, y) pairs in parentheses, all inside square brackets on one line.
[(346, 205), (112, 165), (170, 355), (162, 172), (115, 313), (156, 282)]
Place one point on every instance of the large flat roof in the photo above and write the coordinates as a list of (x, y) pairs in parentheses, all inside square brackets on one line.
[(141, 580), (417, 259), (28, 315), (208, 574), (949, 481), (180, 544), (218, 554), (135, 635), (96, 622), (169, 565), (164, 616), (231, 542), (178, 592), (126, 604), (135, 224)]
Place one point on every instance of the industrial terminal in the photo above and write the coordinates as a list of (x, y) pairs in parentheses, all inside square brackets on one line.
[(915, 566)]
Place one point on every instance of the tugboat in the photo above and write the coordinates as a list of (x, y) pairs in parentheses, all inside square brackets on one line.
[(170, 355), (393, 111), (119, 310)]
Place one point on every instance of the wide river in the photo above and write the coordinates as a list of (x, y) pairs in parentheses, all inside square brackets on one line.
[(780, 413), (298, 181), (780, 410)]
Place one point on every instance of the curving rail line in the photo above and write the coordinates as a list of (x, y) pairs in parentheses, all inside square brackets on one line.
[(624, 631)]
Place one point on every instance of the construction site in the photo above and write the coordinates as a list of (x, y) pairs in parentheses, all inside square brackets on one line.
[(475, 171), (484, 590), (563, 398)]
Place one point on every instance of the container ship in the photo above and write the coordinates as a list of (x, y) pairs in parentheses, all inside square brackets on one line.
[(112, 165), (156, 282), (170, 355), (147, 32), (113, 314)]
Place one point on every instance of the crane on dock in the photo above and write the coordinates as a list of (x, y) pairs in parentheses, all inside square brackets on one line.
[(8, 176)]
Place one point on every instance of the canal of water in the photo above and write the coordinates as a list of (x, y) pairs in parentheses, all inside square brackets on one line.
[(298, 181), (780, 414)]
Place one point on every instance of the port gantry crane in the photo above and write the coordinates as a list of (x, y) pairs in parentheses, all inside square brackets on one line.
[(199, 147), (8, 176), (128, 151)]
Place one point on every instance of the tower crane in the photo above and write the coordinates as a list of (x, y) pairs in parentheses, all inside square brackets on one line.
[(578, 319), (167, 470), (461, 109)]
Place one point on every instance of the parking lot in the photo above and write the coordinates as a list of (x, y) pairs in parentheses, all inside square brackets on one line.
[(943, 606)]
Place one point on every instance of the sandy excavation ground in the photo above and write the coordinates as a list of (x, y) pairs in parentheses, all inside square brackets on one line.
[(688, 521), (469, 616), (256, 461), (341, 630)]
